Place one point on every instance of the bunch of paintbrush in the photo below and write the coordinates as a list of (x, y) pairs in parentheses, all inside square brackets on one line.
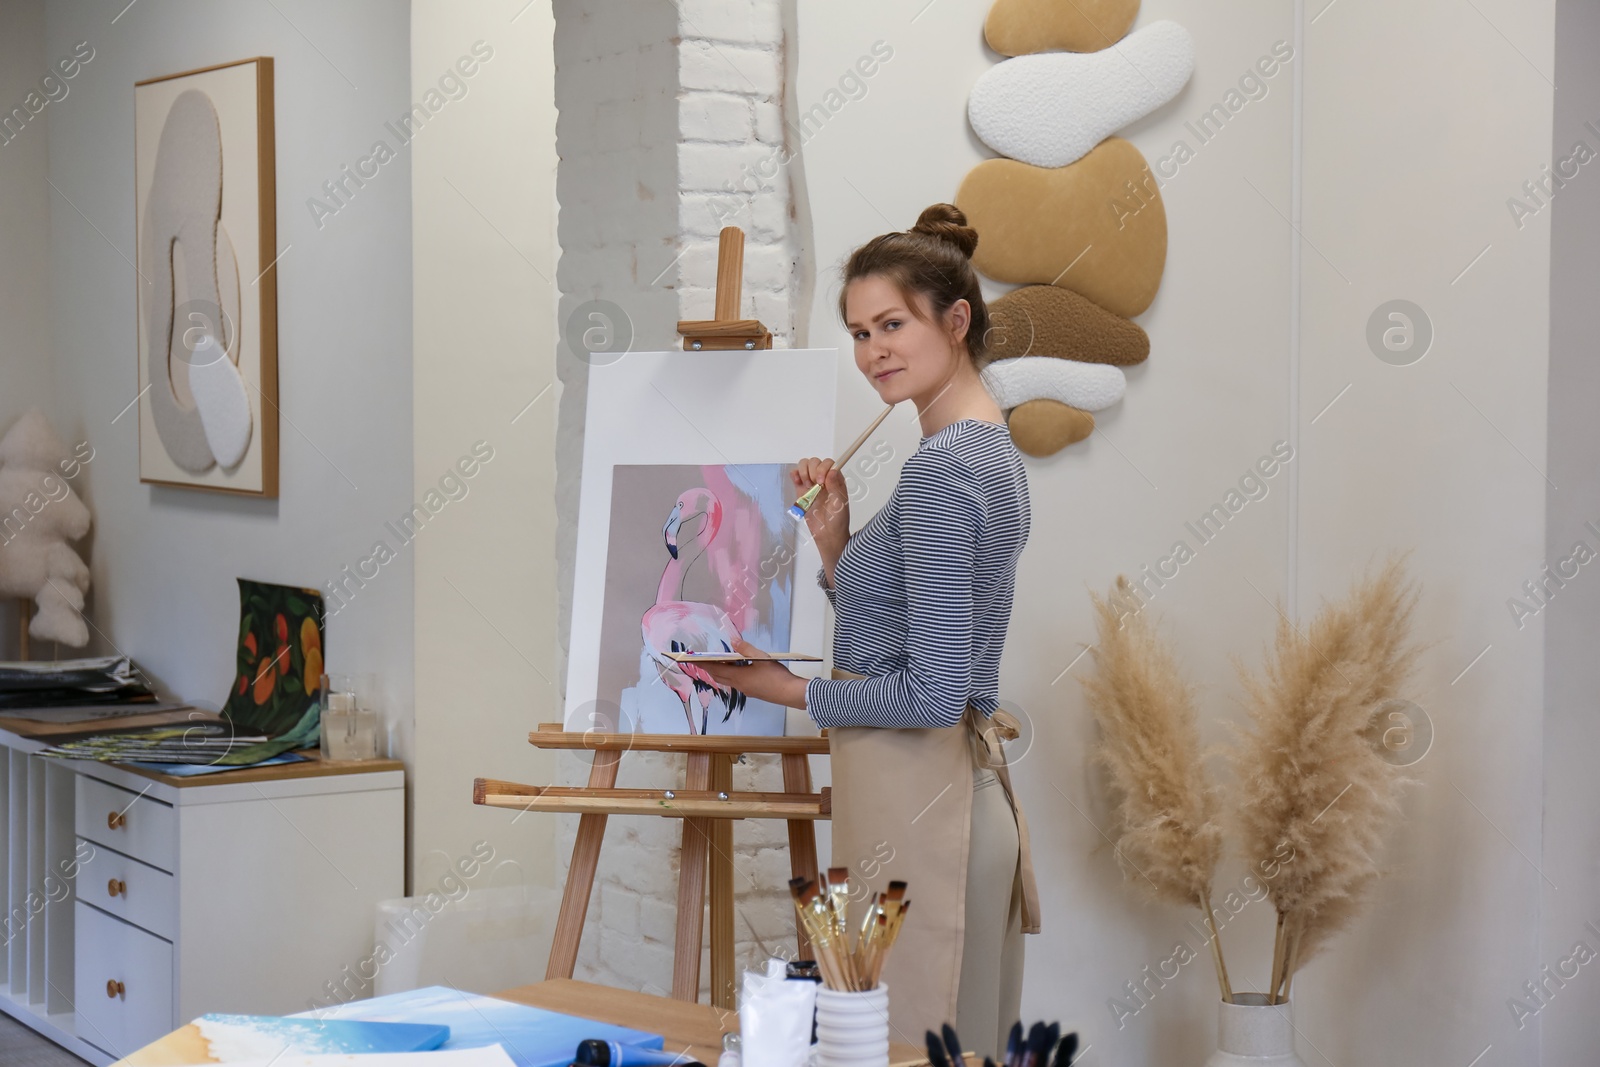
[(824, 909), (1034, 1050)]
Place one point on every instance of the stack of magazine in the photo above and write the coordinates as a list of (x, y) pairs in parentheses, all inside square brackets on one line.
[(105, 684), (95, 693)]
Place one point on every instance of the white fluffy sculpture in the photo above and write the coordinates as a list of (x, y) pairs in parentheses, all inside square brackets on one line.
[(40, 517)]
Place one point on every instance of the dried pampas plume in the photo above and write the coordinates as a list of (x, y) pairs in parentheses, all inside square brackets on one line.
[(1310, 779), (1168, 829)]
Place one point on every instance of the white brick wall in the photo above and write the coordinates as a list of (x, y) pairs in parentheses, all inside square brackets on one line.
[(667, 111), (730, 119)]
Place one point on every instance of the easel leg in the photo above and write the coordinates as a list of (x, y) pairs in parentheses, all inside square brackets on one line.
[(723, 980), (692, 888), (580, 875), (802, 837)]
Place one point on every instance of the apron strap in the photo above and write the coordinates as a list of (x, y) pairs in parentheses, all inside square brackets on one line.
[(988, 735)]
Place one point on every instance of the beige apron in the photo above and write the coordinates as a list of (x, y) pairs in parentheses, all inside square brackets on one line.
[(902, 811)]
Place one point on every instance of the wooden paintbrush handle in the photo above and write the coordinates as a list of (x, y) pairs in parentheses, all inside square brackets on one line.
[(859, 441)]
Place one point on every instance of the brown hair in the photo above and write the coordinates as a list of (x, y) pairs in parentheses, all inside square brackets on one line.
[(933, 258)]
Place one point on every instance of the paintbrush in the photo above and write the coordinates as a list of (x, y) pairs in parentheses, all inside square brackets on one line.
[(837, 887), (869, 923), (839, 898), (866, 941), (1014, 1045), (936, 1056), (1037, 1034), (952, 1043), (895, 904), (874, 938), (889, 939), (806, 900), (1066, 1050), (892, 904), (838, 944), (798, 509), (838, 955)]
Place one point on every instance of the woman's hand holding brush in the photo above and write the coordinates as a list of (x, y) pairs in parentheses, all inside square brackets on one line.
[(824, 502), (828, 517)]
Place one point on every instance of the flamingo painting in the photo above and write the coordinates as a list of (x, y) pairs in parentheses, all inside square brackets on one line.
[(673, 624), (697, 556)]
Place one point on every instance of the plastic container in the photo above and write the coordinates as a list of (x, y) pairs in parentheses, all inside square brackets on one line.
[(490, 938)]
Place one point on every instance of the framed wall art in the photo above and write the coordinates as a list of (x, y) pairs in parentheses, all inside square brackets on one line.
[(204, 197)]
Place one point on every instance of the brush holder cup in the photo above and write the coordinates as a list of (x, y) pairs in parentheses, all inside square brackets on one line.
[(1253, 1033), (853, 1028)]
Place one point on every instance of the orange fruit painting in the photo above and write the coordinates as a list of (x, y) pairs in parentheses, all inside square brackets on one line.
[(274, 690)]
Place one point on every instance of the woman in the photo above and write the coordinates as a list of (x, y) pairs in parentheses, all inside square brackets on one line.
[(922, 596)]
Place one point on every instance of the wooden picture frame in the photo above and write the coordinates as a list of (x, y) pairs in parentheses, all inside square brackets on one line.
[(205, 206)]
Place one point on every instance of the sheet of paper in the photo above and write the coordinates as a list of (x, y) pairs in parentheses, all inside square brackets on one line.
[(487, 1056)]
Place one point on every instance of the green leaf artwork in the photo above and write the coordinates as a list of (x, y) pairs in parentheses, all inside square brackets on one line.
[(280, 657)]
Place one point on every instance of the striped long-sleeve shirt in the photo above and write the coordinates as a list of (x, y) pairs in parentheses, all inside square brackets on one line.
[(922, 593)]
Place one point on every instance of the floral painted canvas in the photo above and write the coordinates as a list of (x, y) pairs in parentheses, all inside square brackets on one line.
[(279, 657)]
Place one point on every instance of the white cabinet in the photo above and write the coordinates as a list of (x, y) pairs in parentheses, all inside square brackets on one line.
[(122, 982), (127, 889), (142, 901)]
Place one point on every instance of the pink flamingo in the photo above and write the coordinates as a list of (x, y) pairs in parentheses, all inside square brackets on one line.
[(678, 625)]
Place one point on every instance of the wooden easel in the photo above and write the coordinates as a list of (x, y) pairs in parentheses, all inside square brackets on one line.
[(727, 330), (707, 805)]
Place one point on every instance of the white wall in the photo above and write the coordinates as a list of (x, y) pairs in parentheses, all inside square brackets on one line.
[(164, 560), (25, 373), (1416, 131), (1413, 130), (1569, 1025), (483, 212)]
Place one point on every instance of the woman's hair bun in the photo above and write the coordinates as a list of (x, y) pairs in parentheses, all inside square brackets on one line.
[(946, 222)]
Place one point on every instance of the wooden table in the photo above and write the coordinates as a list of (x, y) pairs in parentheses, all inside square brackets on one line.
[(695, 1028)]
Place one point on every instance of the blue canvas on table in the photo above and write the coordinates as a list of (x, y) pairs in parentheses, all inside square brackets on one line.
[(532, 1037), (244, 1037)]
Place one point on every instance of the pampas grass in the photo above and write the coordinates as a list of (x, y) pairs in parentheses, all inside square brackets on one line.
[(1169, 831), (1309, 775)]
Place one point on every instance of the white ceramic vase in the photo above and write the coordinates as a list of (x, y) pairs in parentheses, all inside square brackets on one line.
[(1253, 1033), (853, 1028)]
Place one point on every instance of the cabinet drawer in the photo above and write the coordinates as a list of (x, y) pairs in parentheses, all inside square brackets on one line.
[(128, 822), (109, 950), (141, 894)]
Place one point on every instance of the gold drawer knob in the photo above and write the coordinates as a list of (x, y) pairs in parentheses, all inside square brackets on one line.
[(116, 820), (116, 886), (114, 988)]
